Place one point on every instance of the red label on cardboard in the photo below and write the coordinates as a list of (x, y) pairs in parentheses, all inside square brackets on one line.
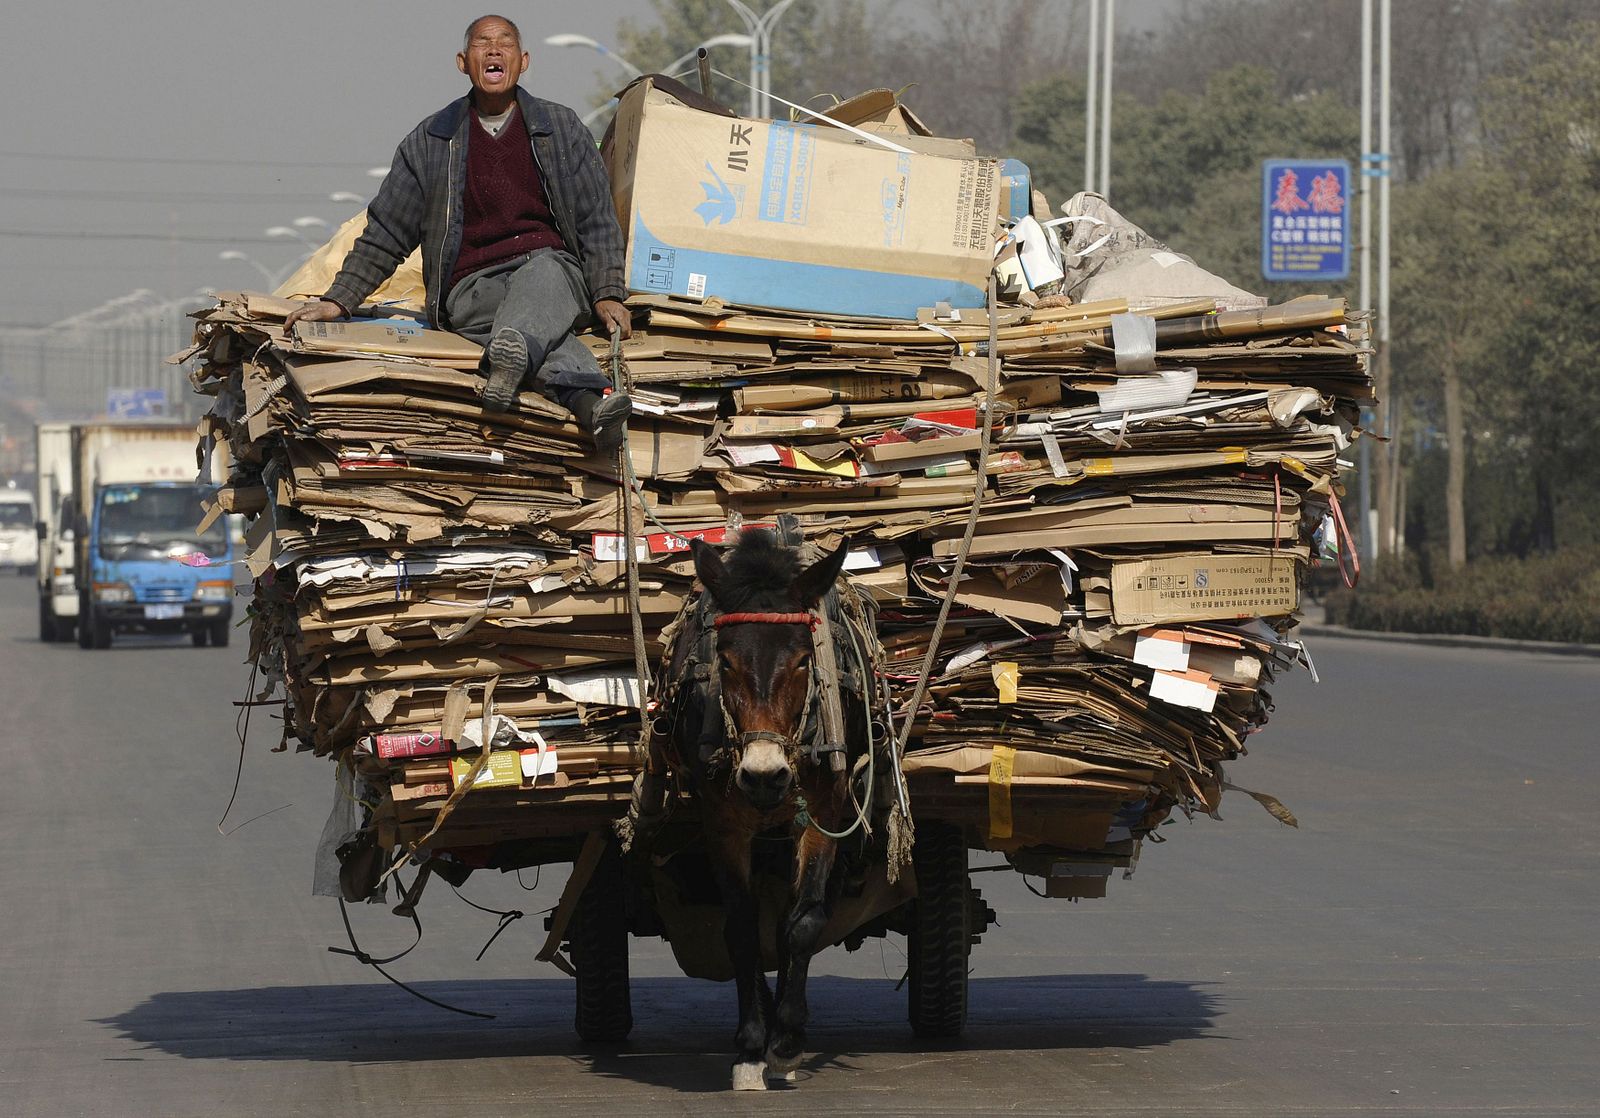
[(425, 744)]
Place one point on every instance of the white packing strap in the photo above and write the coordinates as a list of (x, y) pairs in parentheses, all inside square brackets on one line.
[(1052, 451), (1133, 336), (1169, 388), (940, 330), (868, 136)]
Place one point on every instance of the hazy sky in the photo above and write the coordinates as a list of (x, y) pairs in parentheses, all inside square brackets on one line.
[(189, 128), (140, 140)]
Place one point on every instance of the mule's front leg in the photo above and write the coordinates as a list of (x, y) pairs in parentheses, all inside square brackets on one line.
[(741, 932), (801, 932)]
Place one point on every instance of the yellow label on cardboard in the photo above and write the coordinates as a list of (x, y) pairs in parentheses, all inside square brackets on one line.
[(1000, 790), (1006, 674), (504, 770)]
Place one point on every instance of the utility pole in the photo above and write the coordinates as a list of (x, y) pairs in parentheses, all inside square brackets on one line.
[(1369, 525), (1389, 518), (1105, 102), (1090, 94)]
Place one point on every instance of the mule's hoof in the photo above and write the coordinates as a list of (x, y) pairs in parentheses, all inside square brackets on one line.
[(749, 1077), (782, 1076), (780, 1066)]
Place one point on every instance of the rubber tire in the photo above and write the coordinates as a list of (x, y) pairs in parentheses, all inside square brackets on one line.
[(598, 937), (220, 631), (49, 627), (100, 632), (941, 925), (85, 621), (198, 637)]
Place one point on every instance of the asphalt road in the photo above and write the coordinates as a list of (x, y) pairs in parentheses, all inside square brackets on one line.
[(1424, 943)]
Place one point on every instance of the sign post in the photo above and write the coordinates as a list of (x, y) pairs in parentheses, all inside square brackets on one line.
[(1305, 227)]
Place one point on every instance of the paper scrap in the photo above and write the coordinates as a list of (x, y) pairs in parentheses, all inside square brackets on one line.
[(1193, 689)]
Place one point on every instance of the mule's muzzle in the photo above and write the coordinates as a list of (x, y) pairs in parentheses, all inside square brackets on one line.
[(765, 787), (764, 775)]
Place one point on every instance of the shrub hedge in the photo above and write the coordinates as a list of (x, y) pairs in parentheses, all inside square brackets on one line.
[(1552, 597)]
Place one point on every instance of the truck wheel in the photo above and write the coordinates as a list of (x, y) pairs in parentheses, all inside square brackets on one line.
[(941, 921), (220, 631), (100, 631), (598, 937), (85, 628), (49, 631), (198, 635)]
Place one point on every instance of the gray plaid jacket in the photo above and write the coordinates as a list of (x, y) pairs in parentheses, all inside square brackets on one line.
[(421, 203)]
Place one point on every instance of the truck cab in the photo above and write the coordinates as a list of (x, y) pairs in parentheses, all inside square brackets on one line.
[(144, 564)]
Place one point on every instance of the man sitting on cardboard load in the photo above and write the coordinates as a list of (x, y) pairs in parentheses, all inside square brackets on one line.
[(509, 201)]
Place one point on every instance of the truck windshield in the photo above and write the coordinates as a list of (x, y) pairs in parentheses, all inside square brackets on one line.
[(157, 522), (16, 514)]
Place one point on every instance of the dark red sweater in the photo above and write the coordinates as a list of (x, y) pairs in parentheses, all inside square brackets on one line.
[(507, 213)]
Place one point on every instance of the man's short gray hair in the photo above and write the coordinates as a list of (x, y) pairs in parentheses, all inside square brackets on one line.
[(466, 39)]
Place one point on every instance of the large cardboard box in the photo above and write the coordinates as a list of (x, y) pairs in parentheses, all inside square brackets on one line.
[(796, 216), (1202, 586)]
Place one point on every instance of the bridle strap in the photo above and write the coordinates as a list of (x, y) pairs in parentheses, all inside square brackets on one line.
[(809, 619)]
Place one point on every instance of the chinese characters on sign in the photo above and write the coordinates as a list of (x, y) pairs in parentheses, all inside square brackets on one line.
[(1305, 219)]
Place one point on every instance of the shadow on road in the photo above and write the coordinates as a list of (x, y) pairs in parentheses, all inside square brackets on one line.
[(674, 1018)]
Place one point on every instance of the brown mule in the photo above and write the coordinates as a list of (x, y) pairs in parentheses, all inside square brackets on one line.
[(748, 739)]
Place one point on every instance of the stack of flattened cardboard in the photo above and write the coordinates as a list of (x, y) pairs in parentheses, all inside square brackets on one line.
[(417, 591), (432, 578), (1134, 570)]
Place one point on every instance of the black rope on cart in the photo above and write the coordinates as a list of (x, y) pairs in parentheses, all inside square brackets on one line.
[(507, 918), (360, 956)]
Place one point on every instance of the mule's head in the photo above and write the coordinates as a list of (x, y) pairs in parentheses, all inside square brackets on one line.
[(764, 653)]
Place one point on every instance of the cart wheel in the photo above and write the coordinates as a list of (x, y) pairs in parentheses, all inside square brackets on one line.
[(599, 940), (940, 929)]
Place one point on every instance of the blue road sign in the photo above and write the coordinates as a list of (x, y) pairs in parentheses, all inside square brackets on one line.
[(136, 403), (1305, 219)]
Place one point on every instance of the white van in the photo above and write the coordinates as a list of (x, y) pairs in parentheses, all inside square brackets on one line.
[(19, 538)]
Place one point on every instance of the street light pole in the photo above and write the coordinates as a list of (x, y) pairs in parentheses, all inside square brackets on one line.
[(1369, 527), (1105, 101), (760, 29), (1090, 93), (568, 39), (1385, 379)]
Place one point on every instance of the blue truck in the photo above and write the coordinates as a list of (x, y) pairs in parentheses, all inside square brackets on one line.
[(147, 559)]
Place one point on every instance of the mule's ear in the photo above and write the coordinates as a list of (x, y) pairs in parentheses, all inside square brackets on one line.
[(707, 564), (813, 583)]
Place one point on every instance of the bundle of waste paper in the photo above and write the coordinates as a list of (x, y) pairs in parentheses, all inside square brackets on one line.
[(430, 575)]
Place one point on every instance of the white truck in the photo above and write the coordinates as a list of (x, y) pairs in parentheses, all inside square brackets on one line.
[(58, 591), (19, 549), (142, 560)]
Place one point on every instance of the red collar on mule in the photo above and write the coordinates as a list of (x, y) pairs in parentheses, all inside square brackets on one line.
[(810, 619)]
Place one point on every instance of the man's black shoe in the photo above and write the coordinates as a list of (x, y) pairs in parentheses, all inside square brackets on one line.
[(611, 420), (508, 364)]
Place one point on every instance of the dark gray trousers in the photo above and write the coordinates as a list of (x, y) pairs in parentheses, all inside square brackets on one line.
[(541, 296)]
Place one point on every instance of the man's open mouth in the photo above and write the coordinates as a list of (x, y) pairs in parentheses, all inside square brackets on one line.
[(493, 69)]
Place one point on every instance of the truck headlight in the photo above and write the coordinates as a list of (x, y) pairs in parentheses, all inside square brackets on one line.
[(112, 592), (219, 590)]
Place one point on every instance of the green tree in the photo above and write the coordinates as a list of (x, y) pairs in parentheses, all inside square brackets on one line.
[(1449, 275), (1188, 169), (1544, 125)]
